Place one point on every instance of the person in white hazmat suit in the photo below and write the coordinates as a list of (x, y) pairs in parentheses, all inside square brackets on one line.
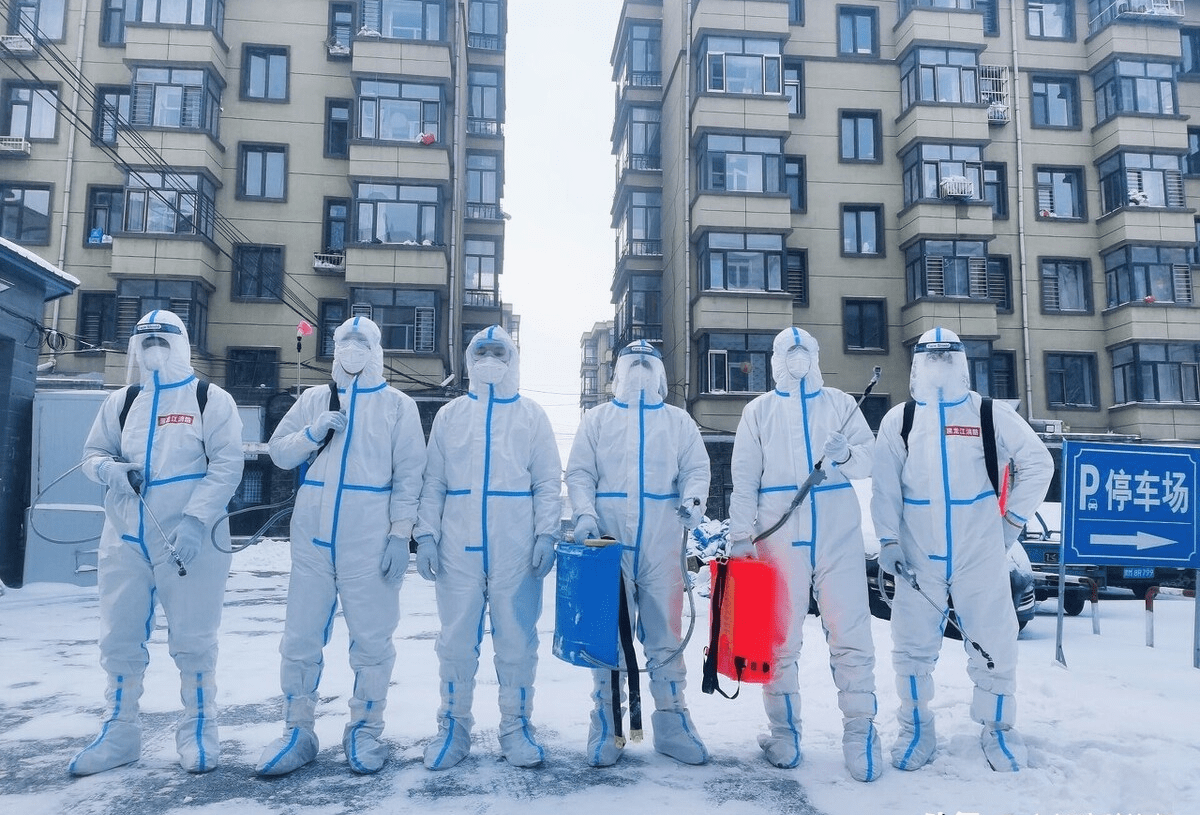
[(355, 511), (638, 472), (490, 509), (187, 463), (937, 517), (780, 438)]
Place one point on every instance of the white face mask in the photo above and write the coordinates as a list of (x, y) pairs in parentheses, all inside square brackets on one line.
[(155, 358), (489, 370), (353, 358), (798, 362)]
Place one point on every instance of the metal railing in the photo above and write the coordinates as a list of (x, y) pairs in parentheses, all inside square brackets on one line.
[(642, 248), (481, 298), (14, 146), (329, 261), (17, 43), (484, 212), (483, 127), (1144, 9)]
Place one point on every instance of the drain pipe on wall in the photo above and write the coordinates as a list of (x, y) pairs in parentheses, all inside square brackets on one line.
[(687, 206), (460, 164), (1022, 262)]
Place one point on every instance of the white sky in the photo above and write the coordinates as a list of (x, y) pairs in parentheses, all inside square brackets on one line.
[(559, 174)]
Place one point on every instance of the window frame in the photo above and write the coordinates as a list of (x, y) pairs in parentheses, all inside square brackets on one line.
[(241, 365), (96, 321), (426, 198), (717, 256), (857, 117), (880, 231), (998, 183), (713, 66), (40, 108), (856, 17), (265, 151), (18, 19), (26, 236), (1123, 170), (1073, 105), (1050, 268), (371, 110), (1140, 372), (793, 79), (341, 35), (329, 219), (639, 228), (1131, 277), (251, 278), (116, 211), (713, 157), (189, 299), (1119, 92), (433, 16), (268, 55), (485, 296), (861, 305), (922, 159), (758, 358), (200, 195), (1068, 21), (112, 106), (199, 105), (330, 147), (950, 269), (425, 339), (1189, 66), (486, 33), (1060, 375), (924, 81), (797, 191), (638, 314), (1045, 191), (482, 98)]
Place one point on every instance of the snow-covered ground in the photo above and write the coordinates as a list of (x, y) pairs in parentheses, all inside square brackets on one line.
[(1116, 732)]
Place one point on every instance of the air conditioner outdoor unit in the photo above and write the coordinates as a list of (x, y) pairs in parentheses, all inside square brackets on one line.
[(1051, 426)]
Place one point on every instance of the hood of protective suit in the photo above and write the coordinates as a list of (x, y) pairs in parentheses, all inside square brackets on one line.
[(365, 331), (939, 368), (176, 366), (785, 381), (649, 376), (510, 382)]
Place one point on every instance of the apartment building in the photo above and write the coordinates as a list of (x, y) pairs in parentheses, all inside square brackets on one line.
[(1026, 174), (256, 167), (596, 369)]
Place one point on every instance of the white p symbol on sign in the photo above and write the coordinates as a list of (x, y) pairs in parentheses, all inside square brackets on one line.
[(1089, 483)]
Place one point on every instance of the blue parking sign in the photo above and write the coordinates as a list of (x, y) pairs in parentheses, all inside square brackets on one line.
[(1130, 504)]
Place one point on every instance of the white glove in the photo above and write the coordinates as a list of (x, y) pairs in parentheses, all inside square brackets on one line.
[(427, 558), (891, 557), (116, 473), (837, 449), (543, 556), (187, 539), (743, 548), (586, 528), (1012, 529), (691, 513), (329, 420), (395, 560)]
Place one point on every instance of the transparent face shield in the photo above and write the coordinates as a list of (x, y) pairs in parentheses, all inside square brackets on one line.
[(935, 365), (490, 362)]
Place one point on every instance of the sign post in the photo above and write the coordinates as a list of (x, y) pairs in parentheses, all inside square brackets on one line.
[(1131, 505)]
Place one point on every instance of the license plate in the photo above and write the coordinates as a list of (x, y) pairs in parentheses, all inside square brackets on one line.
[(1138, 572), (1050, 557)]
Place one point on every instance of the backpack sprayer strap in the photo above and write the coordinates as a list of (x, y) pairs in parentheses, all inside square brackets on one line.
[(710, 681)]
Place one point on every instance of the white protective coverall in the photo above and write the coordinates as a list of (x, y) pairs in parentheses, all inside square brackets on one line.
[(936, 500), (355, 510), (780, 438), (490, 505), (190, 465), (634, 463)]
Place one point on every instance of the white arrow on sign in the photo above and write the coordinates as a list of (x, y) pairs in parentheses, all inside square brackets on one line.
[(1142, 540)]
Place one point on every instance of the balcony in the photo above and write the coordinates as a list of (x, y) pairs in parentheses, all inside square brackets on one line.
[(329, 262), (484, 127), (488, 42), (641, 248), (651, 332), (1169, 11), (19, 45), (14, 147), (484, 212), (956, 187), (481, 298)]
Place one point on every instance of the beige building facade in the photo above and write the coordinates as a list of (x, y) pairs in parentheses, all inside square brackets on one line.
[(596, 365), (256, 166), (1025, 174)]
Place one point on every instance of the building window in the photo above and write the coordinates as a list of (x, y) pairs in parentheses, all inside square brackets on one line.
[(1066, 286), (1134, 86), (793, 86), (943, 172), (641, 144), (170, 204), (484, 25), (794, 180), (864, 325), (1050, 19), (104, 214), (25, 214), (1191, 161), (258, 273), (736, 363), (176, 98), (939, 75), (97, 326), (991, 371), (1055, 101), (995, 188), (999, 282), (336, 227), (862, 229), (396, 213), (30, 111), (483, 103), (337, 128), (908, 5), (949, 268), (209, 13), (252, 374), (265, 73), (481, 269), (36, 18), (1190, 41), (263, 171), (735, 261), (797, 276), (639, 311), (483, 186), (1148, 274), (1060, 193), (111, 113), (740, 65), (741, 164), (404, 19), (1156, 372), (398, 111), (588, 383), (341, 28), (112, 22), (795, 12), (1194, 250), (406, 318), (1141, 180), (860, 136), (1071, 381), (858, 31), (187, 299), (643, 57), (639, 231), (332, 313)]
